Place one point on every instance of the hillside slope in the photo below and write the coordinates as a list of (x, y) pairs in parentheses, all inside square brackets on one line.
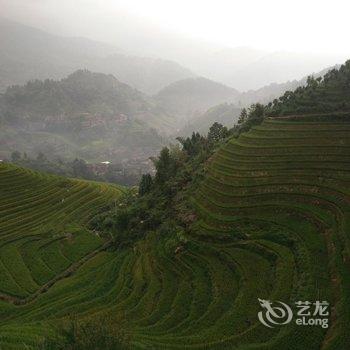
[(272, 223)]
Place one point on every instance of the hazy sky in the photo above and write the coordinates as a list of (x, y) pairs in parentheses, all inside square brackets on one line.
[(298, 25)]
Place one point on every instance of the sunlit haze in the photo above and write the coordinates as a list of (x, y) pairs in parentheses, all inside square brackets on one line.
[(270, 24)]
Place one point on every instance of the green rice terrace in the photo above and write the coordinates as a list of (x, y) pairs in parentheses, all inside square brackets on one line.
[(273, 222)]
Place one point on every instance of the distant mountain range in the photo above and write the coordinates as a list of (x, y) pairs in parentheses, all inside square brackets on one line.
[(29, 53), (248, 69), (245, 68)]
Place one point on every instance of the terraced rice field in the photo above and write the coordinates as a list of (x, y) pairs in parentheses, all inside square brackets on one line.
[(273, 223), (43, 238), (284, 188)]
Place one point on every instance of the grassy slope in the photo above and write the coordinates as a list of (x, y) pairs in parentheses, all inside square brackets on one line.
[(273, 223)]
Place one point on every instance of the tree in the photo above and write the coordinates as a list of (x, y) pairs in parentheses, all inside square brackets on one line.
[(165, 166), (217, 132), (256, 113), (145, 184), (193, 145), (80, 169), (243, 116), (311, 81), (16, 156)]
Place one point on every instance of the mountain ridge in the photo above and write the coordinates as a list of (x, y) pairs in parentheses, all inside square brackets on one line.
[(30, 53)]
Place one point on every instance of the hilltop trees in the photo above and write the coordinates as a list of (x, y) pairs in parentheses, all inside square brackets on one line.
[(256, 113), (243, 116), (165, 166), (217, 132), (320, 95), (253, 116), (194, 144)]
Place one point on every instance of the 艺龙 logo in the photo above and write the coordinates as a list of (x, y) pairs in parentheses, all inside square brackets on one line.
[(274, 315), (278, 313)]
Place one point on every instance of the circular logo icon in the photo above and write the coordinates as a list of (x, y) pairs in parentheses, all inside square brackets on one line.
[(273, 315)]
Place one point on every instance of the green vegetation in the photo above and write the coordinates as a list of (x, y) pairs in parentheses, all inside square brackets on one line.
[(258, 211)]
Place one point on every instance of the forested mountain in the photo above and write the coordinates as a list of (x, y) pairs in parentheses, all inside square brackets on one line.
[(190, 97), (87, 114), (28, 53), (81, 91)]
